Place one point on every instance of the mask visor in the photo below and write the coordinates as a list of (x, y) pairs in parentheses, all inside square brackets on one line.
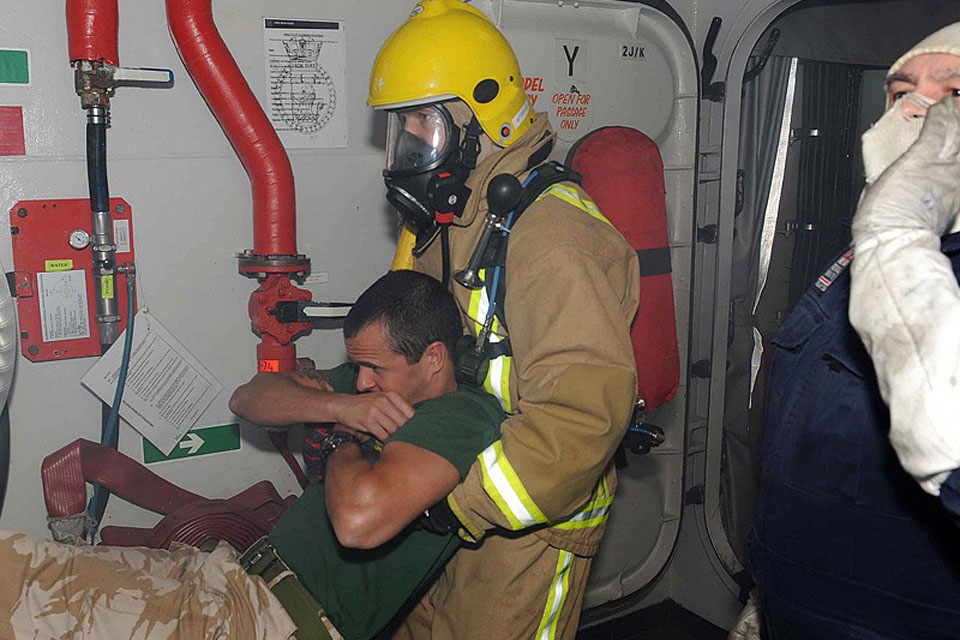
[(417, 138)]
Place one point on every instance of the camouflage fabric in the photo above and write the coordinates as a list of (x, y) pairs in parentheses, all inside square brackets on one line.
[(50, 590)]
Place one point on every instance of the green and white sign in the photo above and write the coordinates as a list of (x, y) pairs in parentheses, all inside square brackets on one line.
[(197, 442), (14, 66)]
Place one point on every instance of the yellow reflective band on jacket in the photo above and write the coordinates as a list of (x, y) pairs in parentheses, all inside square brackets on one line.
[(594, 513), (497, 382), (503, 486), (559, 589), (573, 197)]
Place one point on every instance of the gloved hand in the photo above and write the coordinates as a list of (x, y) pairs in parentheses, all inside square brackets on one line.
[(921, 190), (904, 297)]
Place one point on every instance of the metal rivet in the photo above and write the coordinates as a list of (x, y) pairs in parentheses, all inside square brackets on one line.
[(24, 334), (22, 212), (33, 350), (120, 208)]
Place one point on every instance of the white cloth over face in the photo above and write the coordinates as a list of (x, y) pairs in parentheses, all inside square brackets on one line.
[(891, 136), (905, 301)]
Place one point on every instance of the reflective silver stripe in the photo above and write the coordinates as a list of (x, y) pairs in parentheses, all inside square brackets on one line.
[(556, 598), (515, 510)]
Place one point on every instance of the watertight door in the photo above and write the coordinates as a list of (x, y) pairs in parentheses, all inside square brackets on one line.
[(592, 64), (797, 81)]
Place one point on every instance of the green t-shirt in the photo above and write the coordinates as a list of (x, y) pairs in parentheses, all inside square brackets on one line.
[(362, 590)]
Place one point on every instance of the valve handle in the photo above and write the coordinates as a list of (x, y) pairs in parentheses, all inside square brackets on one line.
[(142, 75)]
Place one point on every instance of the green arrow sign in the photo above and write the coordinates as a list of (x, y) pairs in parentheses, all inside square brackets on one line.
[(197, 442)]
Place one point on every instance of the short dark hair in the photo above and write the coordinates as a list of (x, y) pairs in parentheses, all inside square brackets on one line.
[(416, 310)]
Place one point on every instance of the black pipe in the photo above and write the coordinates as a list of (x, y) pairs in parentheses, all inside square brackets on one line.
[(97, 166), (97, 124)]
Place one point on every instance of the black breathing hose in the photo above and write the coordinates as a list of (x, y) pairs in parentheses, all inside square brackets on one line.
[(445, 252)]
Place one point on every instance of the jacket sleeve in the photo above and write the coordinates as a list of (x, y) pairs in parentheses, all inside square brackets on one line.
[(905, 304), (568, 314)]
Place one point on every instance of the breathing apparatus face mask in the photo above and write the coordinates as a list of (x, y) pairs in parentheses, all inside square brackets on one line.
[(425, 171), (892, 135)]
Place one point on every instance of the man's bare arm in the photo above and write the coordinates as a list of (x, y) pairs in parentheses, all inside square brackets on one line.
[(281, 399), (369, 503)]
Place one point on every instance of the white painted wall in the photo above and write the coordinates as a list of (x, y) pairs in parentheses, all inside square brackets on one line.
[(192, 212)]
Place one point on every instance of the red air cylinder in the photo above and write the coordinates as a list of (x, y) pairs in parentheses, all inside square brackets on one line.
[(92, 30), (623, 172)]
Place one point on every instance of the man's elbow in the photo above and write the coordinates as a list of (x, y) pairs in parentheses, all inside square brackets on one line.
[(244, 402), (236, 403), (361, 524), (354, 531)]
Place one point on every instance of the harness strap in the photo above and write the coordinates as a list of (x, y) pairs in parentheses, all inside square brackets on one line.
[(543, 177)]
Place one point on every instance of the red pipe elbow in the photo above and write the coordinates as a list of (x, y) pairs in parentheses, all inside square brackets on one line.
[(223, 86), (92, 30)]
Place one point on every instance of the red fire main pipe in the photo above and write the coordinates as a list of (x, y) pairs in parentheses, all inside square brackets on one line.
[(92, 30), (223, 86)]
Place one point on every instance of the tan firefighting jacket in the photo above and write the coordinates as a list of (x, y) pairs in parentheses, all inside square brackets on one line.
[(573, 285)]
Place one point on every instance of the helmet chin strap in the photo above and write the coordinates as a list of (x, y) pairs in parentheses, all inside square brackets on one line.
[(470, 149), (469, 153)]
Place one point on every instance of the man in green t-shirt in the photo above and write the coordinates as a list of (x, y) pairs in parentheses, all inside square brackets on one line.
[(349, 542)]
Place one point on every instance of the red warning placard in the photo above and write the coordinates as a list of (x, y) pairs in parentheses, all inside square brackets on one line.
[(56, 295), (11, 132)]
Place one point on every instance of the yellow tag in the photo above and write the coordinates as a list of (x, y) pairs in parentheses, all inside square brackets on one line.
[(106, 287), (58, 265)]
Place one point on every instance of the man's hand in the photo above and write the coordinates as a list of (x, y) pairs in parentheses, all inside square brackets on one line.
[(378, 414), (921, 191), (904, 299)]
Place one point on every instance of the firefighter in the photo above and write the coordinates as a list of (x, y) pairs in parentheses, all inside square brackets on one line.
[(556, 349)]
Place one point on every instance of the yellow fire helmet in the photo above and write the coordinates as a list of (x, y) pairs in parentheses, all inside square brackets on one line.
[(448, 49)]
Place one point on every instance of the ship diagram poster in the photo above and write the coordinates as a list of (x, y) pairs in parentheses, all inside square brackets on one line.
[(306, 76)]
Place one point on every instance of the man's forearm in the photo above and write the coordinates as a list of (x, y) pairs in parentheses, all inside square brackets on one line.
[(277, 399), (369, 504), (352, 498)]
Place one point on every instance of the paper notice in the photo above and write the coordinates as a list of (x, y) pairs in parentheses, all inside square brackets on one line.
[(306, 71), (63, 305), (167, 388)]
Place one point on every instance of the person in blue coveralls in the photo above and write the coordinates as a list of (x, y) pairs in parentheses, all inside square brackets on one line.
[(850, 539)]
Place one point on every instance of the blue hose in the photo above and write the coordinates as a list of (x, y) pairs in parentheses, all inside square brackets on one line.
[(110, 431)]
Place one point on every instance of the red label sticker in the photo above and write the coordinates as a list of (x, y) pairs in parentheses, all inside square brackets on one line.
[(11, 132), (273, 366)]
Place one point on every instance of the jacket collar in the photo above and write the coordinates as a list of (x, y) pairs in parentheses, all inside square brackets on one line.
[(515, 160)]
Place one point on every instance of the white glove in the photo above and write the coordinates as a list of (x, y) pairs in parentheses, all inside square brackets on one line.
[(905, 301), (921, 190)]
